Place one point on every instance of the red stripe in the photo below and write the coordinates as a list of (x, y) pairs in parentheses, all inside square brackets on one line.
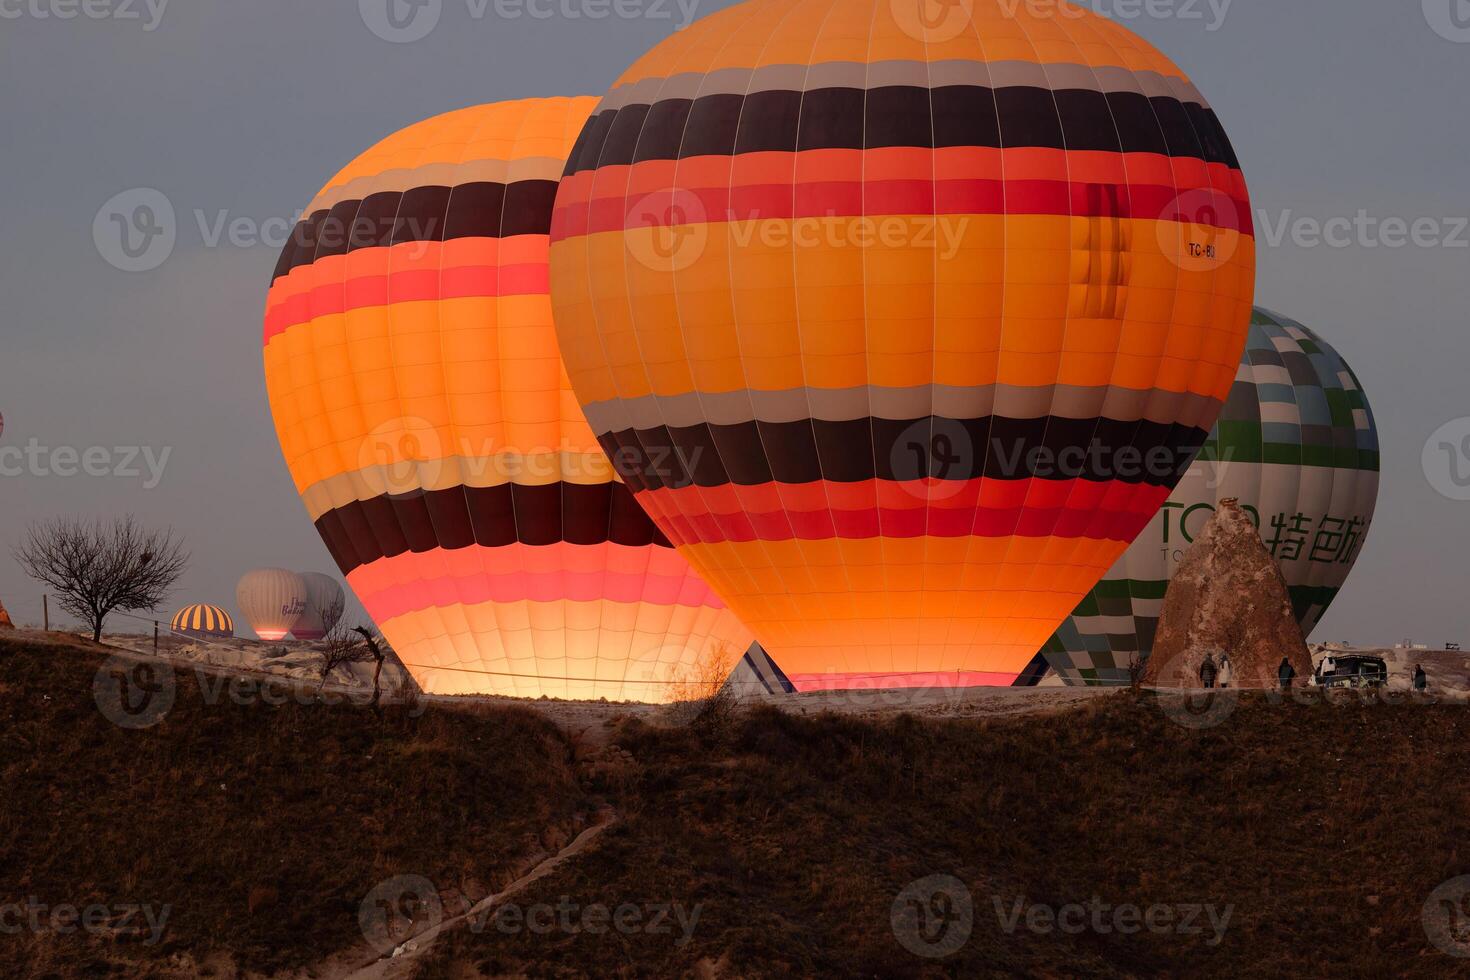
[(943, 680), (879, 508), (408, 286)]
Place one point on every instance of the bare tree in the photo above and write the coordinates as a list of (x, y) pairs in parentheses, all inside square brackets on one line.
[(341, 644), (375, 650), (97, 568)]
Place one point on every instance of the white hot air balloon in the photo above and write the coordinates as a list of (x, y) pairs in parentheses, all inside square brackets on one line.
[(1298, 446), (272, 600), (325, 602)]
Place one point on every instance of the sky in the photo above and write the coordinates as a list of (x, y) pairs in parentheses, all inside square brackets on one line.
[(231, 115)]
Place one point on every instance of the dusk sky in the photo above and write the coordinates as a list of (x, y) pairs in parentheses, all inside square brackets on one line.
[(232, 115)]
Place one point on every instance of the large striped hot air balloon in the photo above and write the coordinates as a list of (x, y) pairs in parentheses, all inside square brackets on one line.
[(272, 600), (902, 326), (423, 410), (1297, 445)]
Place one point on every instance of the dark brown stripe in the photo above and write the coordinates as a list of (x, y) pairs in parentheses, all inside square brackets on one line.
[(996, 448), (854, 119), (365, 531), (423, 214)]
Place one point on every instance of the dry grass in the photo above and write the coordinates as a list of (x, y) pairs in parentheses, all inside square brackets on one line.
[(263, 827), (1324, 829)]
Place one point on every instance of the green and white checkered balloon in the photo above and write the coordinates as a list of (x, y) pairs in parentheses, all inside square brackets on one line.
[(1296, 443)]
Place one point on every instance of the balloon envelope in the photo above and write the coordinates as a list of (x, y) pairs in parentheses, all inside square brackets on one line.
[(901, 328), (1297, 444), (325, 603), (425, 415), (272, 600), (203, 622)]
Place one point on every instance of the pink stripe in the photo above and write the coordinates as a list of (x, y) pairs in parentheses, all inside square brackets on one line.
[(411, 582), (413, 285), (945, 679)]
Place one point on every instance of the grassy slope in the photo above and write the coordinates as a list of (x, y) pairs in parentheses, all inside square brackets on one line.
[(798, 836), (793, 834), (303, 808)]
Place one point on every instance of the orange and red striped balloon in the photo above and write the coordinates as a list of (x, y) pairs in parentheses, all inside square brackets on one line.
[(424, 412), (902, 319)]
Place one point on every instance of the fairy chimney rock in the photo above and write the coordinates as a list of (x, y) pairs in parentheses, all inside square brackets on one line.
[(1228, 595)]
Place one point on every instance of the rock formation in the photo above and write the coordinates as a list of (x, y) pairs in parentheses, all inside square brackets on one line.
[(1228, 595)]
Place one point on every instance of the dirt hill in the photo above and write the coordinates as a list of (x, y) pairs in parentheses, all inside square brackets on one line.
[(1261, 839)]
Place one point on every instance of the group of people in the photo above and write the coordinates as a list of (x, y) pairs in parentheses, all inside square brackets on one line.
[(1211, 673)]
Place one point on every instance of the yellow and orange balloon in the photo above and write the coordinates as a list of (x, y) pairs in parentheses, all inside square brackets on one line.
[(902, 319), (427, 420)]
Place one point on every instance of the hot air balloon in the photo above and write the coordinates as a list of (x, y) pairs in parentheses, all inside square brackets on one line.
[(203, 622), (1298, 446), (902, 327), (427, 421), (272, 600), (325, 603)]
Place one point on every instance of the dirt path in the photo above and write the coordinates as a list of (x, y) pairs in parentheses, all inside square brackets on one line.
[(402, 961)]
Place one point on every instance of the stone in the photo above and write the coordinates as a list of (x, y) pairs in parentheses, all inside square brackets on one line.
[(1228, 595)]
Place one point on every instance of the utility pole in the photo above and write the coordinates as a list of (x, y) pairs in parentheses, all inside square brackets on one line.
[(46, 613), (155, 637)]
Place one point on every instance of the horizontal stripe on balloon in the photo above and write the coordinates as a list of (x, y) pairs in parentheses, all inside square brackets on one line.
[(863, 401), (359, 185), (424, 214), (365, 531), (411, 582), (410, 286), (693, 205), (998, 448), (901, 115), (941, 680), (978, 508)]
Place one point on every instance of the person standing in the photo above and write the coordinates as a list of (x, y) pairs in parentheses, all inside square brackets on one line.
[(1421, 679), (1285, 673), (1208, 672), (1227, 672)]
